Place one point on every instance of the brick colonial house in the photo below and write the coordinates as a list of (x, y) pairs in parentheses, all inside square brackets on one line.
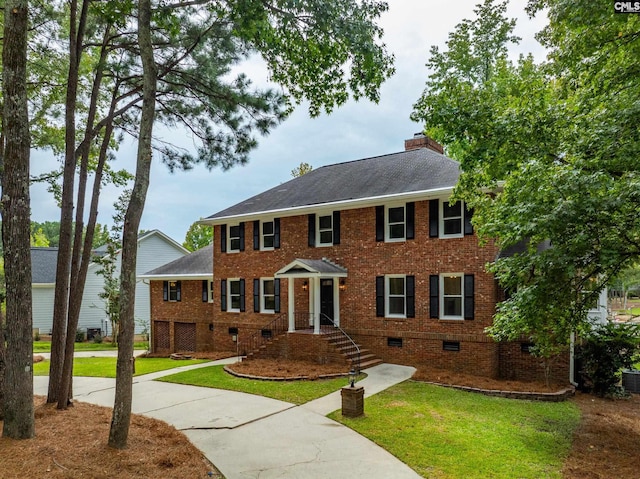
[(374, 247)]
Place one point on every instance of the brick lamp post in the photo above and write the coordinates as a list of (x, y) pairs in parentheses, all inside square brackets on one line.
[(352, 398)]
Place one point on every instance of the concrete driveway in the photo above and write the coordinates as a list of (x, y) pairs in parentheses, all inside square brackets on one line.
[(248, 436)]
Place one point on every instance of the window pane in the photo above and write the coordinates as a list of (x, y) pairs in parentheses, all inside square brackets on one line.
[(234, 231), (450, 210), (235, 302), (453, 227), (267, 228), (267, 242), (324, 222), (396, 215), (326, 237), (452, 285), (396, 286), (267, 286), (234, 287), (269, 303), (396, 305), (452, 306), (396, 231), (235, 244)]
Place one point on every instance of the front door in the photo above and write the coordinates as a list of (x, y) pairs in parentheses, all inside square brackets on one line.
[(326, 301)]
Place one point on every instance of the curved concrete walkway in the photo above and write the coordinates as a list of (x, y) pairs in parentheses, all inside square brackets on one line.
[(248, 436)]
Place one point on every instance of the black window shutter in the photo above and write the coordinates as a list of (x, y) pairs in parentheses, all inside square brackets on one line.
[(256, 295), (411, 296), (468, 227), (469, 305), (241, 229), (178, 290), (434, 296), (256, 234), (434, 210), (223, 238), (410, 212), (380, 296), (205, 291), (276, 292), (223, 295), (242, 308), (336, 227), (312, 230), (165, 291), (379, 223), (276, 233)]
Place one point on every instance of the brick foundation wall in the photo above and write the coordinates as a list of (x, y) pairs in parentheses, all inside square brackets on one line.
[(191, 309), (518, 364), (303, 346)]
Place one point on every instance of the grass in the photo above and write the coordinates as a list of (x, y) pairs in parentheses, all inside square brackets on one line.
[(106, 367), (464, 434), (45, 346), (296, 392)]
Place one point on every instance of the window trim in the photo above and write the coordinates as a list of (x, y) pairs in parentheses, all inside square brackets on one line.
[(388, 296), (441, 219), (210, 290), (320, 244), (176, 291), (231, 309), (387, 223), (262, 235), (263, 296), (441, 295), (230, 238)]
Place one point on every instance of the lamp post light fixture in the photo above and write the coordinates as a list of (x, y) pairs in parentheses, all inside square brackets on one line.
[(343, 285), (352, 377), (305, 285), (352, 397)]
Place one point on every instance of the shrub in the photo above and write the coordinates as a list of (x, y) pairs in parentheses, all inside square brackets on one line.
[(36, 337), (79, 336), (97, 338), (605, 352)]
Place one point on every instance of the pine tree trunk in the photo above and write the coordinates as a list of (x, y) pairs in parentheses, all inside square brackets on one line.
[(120, 420), (2, 368), (19, 422)]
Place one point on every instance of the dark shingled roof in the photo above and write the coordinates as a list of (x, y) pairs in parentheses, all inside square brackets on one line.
[(43, 265), (199, 262), (416, 170)]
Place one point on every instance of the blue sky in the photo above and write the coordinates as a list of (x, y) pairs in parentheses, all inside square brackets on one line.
[(357, 130)]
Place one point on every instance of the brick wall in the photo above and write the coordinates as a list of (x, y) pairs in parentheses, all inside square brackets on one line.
[(191, 309), (518, 364), (305, 347), (365, 258)]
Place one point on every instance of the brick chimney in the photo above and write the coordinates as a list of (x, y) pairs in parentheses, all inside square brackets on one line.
[(419, 140)]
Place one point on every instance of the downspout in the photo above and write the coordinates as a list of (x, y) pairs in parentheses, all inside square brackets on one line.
[(150, 328)]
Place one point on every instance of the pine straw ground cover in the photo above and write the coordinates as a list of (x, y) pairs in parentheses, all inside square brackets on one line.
[(73, 444)]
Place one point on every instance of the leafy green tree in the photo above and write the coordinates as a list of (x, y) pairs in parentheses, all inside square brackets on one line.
[(198, 236), (301, 169), (558, 144), (38, 238)]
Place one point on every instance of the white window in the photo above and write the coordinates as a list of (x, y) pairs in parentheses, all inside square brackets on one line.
[(174, 290), (210, 291), (396, 299), (267, 238), (451, 296), (395, 227), (234, 295), (234, 238), (451, 219), (267, 295), (324, 228)]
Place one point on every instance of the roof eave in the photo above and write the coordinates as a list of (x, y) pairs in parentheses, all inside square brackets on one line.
[(185, 277), (342, 205)]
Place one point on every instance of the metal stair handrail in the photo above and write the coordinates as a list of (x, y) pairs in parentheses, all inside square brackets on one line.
[(353, 347)]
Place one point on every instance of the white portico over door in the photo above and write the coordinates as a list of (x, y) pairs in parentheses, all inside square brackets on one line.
[(322, 278)]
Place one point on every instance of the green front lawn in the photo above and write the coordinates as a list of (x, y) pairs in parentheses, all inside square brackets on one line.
[(444, 433), (296, 392), (106, 367), (45, 346)]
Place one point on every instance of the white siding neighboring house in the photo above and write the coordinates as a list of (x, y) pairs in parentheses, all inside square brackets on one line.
[(154, 249)]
